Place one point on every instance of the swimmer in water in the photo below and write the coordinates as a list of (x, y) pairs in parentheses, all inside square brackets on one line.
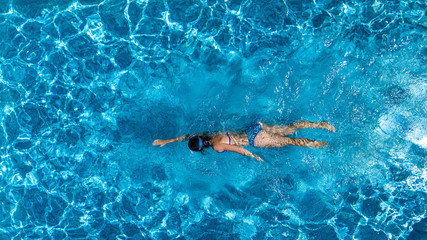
[(257, 135)]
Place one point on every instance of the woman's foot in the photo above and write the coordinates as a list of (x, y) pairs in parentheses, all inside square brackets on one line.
[(316, 144), (327, 126)]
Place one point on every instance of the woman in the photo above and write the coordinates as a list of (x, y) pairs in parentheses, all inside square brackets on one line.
[(258, 135)]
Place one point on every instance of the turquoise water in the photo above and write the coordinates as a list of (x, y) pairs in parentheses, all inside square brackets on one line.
[(86, 86)]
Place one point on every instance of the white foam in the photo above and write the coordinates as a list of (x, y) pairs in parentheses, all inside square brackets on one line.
[(230, 215), (422, 142), (31, 179), (406, 125), (181, 199), (418, 133), (418, 90), (94, 28), (17, 179)]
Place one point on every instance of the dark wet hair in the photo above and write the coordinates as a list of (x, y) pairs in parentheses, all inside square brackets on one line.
[(194, 143)]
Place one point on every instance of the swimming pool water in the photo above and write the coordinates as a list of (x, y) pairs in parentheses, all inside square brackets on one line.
[(87, 85)]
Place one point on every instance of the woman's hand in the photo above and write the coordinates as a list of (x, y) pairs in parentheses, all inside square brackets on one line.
[(259, 159), (160, 142)]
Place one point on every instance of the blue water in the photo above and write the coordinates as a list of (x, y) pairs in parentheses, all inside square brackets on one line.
[(87, 85)]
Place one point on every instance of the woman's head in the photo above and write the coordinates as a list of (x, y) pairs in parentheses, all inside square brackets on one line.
[(198, 144)]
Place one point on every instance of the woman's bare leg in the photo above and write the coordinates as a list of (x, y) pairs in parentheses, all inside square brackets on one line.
[(264, 139), (305, 124), (301, 142), (290, 129), (278, 130)]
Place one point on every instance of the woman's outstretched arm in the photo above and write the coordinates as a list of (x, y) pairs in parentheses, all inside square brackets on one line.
[(162, 142)]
